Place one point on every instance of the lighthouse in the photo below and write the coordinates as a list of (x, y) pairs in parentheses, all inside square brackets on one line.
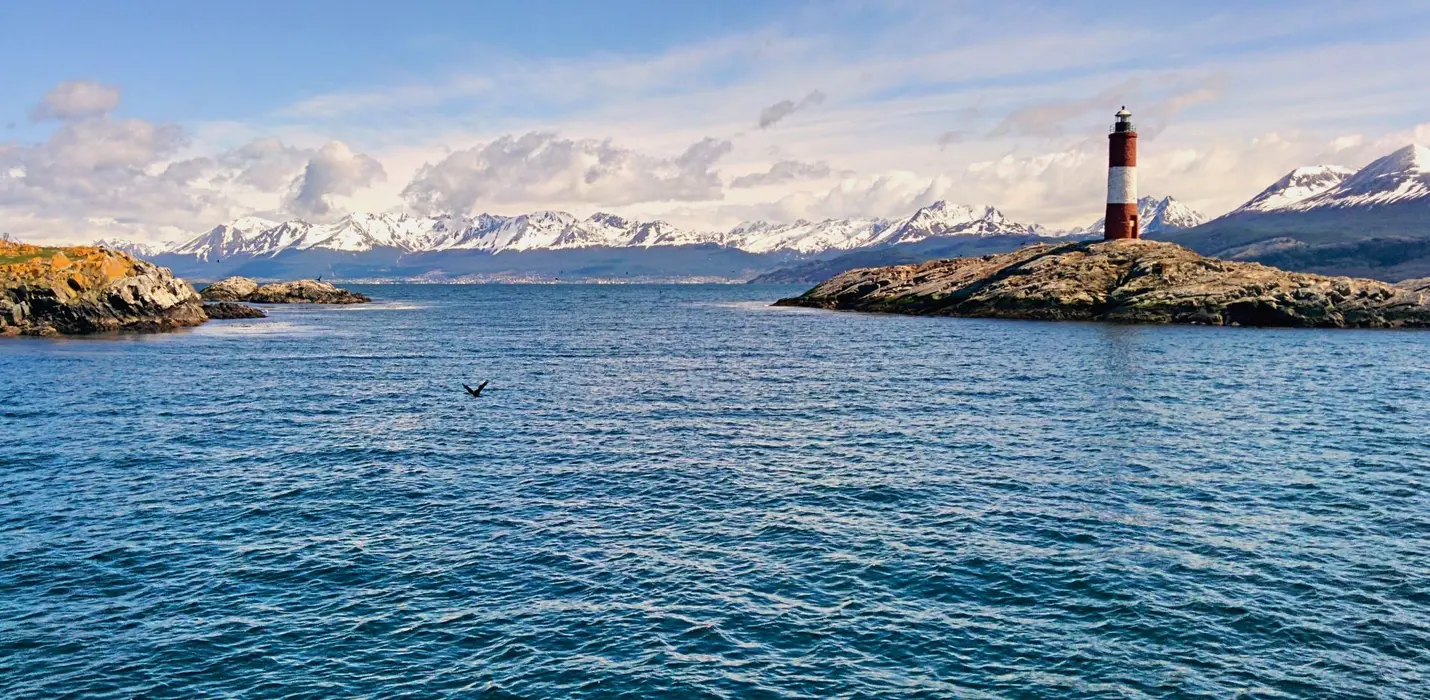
[(1122, 180)]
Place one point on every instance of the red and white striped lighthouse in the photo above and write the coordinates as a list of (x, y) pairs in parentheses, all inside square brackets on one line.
[(1122, 180)]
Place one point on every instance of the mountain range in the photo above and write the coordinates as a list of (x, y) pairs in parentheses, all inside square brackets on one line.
[(1374, 221), (553, 230), (551, 244)]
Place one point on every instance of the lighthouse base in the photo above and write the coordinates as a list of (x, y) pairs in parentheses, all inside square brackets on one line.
[(1122, 222)]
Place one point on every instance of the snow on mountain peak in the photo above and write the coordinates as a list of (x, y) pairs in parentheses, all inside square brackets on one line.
[(944, 219), (138, 250), (252, 224), (1396, 178), (1412, 160), (1296, 186), (1409, 162)]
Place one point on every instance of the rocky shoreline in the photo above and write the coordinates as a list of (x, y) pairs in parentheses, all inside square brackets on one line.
[(1130, 281), (82, 290), (243, 289)]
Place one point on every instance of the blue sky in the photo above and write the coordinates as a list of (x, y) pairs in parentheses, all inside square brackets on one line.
[(153, 120), (194, 61)]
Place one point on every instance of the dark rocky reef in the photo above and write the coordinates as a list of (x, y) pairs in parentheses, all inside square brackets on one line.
[(1134, 281), (80, 290), (234, 289), (227, 310)]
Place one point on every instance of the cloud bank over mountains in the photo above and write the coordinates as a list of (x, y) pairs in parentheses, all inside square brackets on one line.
[(545, 167), (1006, 106)]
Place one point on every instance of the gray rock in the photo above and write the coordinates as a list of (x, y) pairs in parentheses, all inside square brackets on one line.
[(299, 292), (229, 289), (304, 292)]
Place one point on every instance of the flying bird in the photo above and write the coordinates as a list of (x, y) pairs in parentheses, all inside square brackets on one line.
[(477, 392)]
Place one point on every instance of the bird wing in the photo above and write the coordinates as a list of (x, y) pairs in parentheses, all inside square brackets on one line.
[(483, 385), (470, 390)]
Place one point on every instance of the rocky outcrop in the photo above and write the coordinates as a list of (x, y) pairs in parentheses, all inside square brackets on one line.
[(299, 292), (227, 310), (230, 289), (1133, 281), (1419, 285), (73, 291)]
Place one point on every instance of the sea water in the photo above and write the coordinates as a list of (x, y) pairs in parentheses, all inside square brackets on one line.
[(678, 491)]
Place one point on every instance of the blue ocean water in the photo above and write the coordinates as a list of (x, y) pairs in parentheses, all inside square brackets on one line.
[(677, 491)]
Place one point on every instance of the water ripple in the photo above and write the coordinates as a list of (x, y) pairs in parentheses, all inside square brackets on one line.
[(679, 491)]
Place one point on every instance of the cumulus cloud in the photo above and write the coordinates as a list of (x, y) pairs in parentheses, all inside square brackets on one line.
[(772, 114), (76, 99), (102, 174), (334, 170), (782, 172), (265, 164), (542, 167)]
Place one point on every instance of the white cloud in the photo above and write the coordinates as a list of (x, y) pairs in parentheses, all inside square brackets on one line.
[(334, 170), (76, 99), (99, 167)]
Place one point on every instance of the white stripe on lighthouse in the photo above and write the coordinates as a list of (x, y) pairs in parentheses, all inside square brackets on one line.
[(1121, 185)]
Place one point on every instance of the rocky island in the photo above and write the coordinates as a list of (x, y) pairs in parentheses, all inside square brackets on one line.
[(72, 291), (243, 289), (1125, 281)]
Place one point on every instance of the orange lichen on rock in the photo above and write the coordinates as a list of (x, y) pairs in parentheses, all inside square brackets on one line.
[(45, 291)]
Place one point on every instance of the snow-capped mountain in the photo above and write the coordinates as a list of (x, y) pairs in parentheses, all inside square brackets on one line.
[(943, 219), (806, 236), (1157, 216), (1398, 178), (225, 240), (553, 230), (937, 219), (1401, 177), (1298, 185)]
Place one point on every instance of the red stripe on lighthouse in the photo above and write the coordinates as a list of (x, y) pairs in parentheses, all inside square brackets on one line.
[(1123, 151)]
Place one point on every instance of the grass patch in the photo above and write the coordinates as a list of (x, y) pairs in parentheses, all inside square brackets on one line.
[(25, 257)]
